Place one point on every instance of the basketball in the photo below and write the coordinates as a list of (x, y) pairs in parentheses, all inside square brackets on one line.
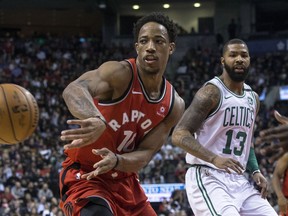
[(19, 113)]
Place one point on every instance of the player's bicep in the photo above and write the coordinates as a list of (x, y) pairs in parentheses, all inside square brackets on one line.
[(204, 103), (101, 81)]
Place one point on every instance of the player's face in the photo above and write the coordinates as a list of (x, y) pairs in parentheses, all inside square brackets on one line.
[(236, 61), (153, 48)]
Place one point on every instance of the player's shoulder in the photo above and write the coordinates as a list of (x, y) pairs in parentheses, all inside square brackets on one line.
[(206, 99), (178, 107), (179, 101), (116, 71), (209, 91), (116, 66)]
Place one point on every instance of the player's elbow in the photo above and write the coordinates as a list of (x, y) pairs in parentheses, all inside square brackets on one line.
[(176, 137), (66, 92)]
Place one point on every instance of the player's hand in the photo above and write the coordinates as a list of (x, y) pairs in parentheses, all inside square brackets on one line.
[(277, 138), (108, 162), (89, 131), (261, 182), (228, 164)]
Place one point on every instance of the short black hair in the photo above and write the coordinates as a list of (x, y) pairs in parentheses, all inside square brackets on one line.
[(160, 18), (232, 41)]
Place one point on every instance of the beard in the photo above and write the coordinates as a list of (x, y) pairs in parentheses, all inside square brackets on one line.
[(236, 77)]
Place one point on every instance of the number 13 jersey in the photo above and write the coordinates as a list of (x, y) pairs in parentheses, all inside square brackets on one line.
[(228, 131)]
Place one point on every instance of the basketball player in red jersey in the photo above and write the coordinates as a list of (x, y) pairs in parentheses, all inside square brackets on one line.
[(280, 183), (125, 111)]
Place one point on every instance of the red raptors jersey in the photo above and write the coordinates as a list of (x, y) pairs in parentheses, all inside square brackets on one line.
[(129, 119)]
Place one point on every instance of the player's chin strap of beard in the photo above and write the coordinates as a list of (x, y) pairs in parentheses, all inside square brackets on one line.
[(252, 164)]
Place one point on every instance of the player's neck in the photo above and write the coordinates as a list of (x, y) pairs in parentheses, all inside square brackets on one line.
[(236, 87)]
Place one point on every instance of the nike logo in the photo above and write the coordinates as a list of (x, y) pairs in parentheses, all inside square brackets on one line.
[(227, 97), (136, 92)]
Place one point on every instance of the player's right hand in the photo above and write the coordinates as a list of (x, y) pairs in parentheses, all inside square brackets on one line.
[(277, 137), (228, 164), (89, 131)]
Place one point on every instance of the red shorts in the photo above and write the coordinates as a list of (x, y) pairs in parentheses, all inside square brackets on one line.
[(125, 196)]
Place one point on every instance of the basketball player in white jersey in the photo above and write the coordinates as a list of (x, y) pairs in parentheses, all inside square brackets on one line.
[(216, 131)]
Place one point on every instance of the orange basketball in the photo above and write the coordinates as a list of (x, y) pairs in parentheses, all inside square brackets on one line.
[(19, 113)]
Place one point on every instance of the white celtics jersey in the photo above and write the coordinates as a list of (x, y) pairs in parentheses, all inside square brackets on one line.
[(228, 131)]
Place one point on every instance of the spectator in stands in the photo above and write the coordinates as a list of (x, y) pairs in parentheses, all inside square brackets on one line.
[(232, 29), (6, 195), (17, 190), (45, 191)]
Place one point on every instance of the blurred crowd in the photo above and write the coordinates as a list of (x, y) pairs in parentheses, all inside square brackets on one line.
[(45, 64)]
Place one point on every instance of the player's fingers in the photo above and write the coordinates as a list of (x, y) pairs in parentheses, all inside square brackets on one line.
[(76, 131), (273, 133), (228, 171), (72, 137), (102, 163), (268, 150), (76, 134), (89, 175), (75, 121), (239, 165), (238, 169), (77, 144), (280, 118), (103, 169), (102, 151), (264, 192), (84, 176), (258, 141), (234, 166)]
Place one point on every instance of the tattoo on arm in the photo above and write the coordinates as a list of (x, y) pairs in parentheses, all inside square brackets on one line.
[(79, 100), (204, 103)]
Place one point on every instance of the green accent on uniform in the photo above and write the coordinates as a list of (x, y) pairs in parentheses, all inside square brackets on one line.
[(252, 163), (204, 193)]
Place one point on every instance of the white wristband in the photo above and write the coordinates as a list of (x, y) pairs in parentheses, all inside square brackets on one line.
[(256, 171)]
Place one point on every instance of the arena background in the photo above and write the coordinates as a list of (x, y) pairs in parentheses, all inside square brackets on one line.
[(45, 44)]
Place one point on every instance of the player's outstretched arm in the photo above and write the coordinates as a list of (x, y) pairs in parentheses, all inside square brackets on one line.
[(277, 137), (109, 81)]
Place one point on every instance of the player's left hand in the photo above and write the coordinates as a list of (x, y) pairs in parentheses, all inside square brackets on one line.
[(89, 131), (108, 162), (261, 182)]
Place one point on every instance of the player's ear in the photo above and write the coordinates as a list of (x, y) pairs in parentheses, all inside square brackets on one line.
[(136, 47), (222, 60), (172, 48)]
